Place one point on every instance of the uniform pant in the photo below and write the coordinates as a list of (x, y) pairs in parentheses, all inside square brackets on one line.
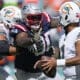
[(21, 75), (72, 78)]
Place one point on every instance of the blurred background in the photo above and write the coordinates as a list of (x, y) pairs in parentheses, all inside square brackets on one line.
[(50, 6)]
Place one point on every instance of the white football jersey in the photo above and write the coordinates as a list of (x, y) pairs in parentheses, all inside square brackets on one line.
[(4, 30), (54, 36), (67, 49)]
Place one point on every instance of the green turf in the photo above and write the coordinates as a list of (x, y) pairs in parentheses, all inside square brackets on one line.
[(10, 4)]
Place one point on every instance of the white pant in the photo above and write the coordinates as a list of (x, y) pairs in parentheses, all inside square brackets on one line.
[(21, 75)]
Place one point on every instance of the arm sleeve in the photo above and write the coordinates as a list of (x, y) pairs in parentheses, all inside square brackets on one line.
[(4, 30)]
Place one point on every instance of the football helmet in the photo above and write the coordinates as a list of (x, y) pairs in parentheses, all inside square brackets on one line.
[(10, 15), (69, 13), (32, 14)]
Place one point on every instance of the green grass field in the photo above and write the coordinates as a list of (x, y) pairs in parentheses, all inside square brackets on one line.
[(10, 4)]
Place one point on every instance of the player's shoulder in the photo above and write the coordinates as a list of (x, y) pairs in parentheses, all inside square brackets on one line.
[(46, 17), (3, 27), (75, 31), (77, 28), (20, 26)]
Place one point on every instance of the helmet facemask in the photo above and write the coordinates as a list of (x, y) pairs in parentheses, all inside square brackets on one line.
[(34, 21), (32, 14)]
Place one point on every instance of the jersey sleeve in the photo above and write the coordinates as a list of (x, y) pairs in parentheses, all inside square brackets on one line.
[(4, 31), (17, 29), (78, 37)]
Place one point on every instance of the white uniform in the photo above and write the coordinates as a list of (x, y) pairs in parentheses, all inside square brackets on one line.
[(54, 36), (7, 71), (67, 48)]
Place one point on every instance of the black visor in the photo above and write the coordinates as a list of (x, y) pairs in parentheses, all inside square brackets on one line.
[(37, 17)]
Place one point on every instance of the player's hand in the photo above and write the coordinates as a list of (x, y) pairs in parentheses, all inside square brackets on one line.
[(46, 63)]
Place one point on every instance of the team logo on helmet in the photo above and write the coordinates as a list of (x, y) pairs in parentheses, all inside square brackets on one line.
[(66, 8), (9, 12)]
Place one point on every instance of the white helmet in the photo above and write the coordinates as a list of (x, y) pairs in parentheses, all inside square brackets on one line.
[(0, 18), (10, 15), (32, 14), (77, 2), (69, 13)]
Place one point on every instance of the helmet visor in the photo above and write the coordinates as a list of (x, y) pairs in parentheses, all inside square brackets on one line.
[(36, 17)]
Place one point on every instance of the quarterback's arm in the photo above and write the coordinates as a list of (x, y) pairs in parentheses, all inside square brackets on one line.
[(71, 61), (52, 62), (75, 60)]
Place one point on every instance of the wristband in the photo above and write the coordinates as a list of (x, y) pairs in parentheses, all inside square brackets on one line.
[(61, 62)]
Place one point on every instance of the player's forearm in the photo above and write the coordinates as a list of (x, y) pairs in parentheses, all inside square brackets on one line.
[(73, 61), (12, 50), (68, 62)]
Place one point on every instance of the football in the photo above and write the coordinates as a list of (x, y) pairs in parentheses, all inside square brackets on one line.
[(52, 72)]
